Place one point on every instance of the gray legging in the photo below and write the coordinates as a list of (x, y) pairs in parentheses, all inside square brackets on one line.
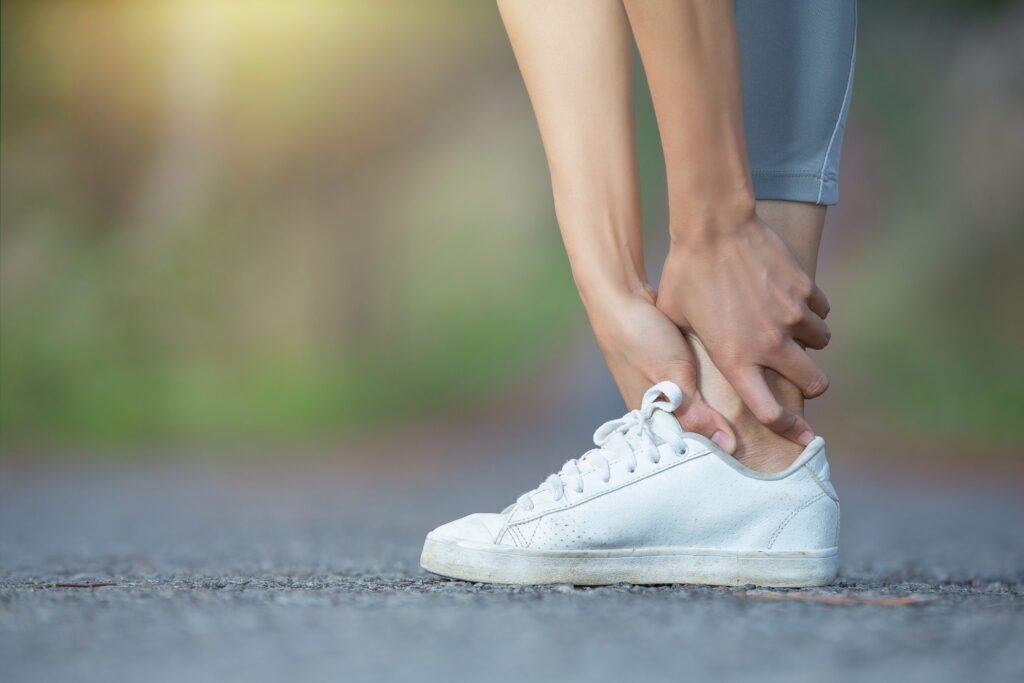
[(797, 58)]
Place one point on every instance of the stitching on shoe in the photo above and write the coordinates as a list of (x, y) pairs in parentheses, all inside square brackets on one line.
[(516, 537), (793, 514), (507, 525), (521, 537), (535, 527), (831, 495), (616, 488), (820, 483), (839, 511)]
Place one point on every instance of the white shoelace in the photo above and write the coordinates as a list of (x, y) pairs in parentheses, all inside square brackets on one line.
[(619, 439)]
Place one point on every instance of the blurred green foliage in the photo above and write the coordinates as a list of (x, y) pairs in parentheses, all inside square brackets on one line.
[(227, 220), (934, 298), (239, 221)]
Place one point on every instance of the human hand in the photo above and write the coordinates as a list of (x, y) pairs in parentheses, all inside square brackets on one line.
[(642, 347), (741, 292)]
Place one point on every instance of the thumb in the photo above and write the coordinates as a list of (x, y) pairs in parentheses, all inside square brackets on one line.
[(700, 418)]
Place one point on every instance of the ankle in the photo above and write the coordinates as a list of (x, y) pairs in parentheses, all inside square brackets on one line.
[(757, 447), (761, 449)]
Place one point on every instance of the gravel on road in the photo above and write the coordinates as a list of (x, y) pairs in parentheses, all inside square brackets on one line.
[(185, 570)]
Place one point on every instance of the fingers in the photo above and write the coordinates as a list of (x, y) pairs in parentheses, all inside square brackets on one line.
[(795, 365), (700, 418), (695, 415), (818, 303), (812, 331), (749, 382)]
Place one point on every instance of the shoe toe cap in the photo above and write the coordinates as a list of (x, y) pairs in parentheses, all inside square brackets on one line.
[(476, 528)]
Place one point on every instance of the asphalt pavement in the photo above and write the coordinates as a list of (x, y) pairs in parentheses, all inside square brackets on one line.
[(305, 568)]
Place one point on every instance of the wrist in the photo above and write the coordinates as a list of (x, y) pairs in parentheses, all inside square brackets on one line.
[(607, 307), (707, 212), (702, 224), (600, 287)]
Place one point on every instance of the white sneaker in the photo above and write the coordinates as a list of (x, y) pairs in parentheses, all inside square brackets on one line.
[(654, 504)]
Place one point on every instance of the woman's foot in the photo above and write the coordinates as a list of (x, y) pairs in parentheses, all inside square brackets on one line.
[(642, 346), (757, 446), (654, 504), (799, 225)]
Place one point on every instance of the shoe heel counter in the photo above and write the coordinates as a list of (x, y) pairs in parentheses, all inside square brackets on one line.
[(812, 525), (819, 470)]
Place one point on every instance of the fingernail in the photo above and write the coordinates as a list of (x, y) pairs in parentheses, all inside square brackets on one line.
[(805, 438), (721, 440)]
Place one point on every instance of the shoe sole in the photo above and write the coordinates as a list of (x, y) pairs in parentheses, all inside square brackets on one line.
[(489, 563)]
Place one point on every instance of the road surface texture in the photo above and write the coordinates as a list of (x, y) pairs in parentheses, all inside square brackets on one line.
[(184, 569)]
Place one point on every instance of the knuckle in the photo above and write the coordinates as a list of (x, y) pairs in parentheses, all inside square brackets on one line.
[(728, 359), (817, 385), (681, 371), (817, 340), (691, 421), (794, 315), (770, 339), (769, 415)]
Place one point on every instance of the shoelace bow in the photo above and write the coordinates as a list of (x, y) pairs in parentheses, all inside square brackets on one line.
[(620, 438)]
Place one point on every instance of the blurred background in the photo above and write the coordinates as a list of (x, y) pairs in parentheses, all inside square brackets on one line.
[(297, 222)]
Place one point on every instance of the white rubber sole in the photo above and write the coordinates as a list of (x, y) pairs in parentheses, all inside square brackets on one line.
[(491, 563)]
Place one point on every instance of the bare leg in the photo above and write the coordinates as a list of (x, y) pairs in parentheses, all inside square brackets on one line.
[(739, 274), (800, 226), (576, 57)]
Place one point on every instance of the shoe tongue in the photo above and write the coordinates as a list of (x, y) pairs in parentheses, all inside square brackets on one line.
[(666, 425)]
